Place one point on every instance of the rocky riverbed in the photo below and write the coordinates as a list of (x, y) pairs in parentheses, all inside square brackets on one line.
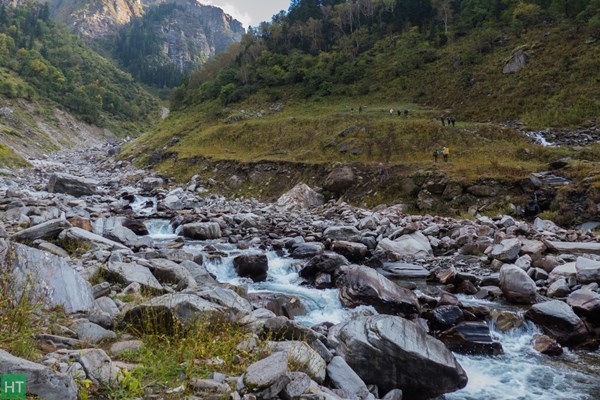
[(356, 304)]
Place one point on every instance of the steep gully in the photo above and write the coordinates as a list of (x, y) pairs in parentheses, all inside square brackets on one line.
[(519, 373)]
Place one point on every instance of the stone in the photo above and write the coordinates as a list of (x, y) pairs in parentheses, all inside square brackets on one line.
[(344, 233), (339, 180), (268, 373), (473, 338), (546, 345), (446, 276), (586, 304), (298, 385), (575, 247), (228, 298), (209, 389), (125, 347), (281, 328), (73, 185), (557, 319), (47, 230), (127, 273), (108, 305), (567, 271), (395, 394), (166, 271), (413, 245), (42, 381), (307, 250), (199, 273), (202, 230), (517, 62), (280, 304), (51, 248), (423, 366), (343, 377), (516, 285), (136, 226), (303, 358), (91, 333), (253, 266), (506, 251), (98, 366), (404, 271), (78, 234), (327, 263), (588, 270), (300, 196), (444, 317), (560, 288), (360, 285), (532, 247), (52, 279), (112, 228), (354, 252)]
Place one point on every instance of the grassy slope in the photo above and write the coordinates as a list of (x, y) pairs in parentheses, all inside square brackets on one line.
[(8, 158)]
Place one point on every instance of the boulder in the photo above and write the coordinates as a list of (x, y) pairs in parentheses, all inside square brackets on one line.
[(339, 180), (360, 285), (343, 377), (404, 271), (586, 304), (444, 317), (81, 235), (73, 185), (42, 381), (506, 251), (517, 62), (47, 230), (300, 196), (575, 247), (546, 345), (112, 228), (588, 270), (423, 367), (208, 389), (327, 263), (473, 338), (560, 288), (413, 245), (166, 271), (557, 319), (268, 376), (128, 273), (253, 266), (202, 230), (52, 279), (345, 233), (307, 250), (354, 252), (136, 226), (91, 333), (302, 357), (280, 304), (516, 285), (299, 384), (98, 366)]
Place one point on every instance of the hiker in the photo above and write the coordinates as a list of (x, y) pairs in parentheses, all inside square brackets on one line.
[(391, 112), (443, 119), (383, 174), (436, 154), (406, 113), (445, 153), (453, 121), (399, 112), (449, 120), (360, 109)]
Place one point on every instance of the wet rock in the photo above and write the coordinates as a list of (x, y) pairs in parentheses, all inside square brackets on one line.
[(253, 266), (413, 245), (588, 270), (47, 230), (558, 320), (444, 317), (343, 377), (546, 345), (516, 285), (307, 250), (507, 320), (354, 252), (424, 367), (472, 338), (586, 304), (300, 196), (339, 180), (128, 273), (361, 285), (52, 279), (136, 226), (73, 185), (42, 381), (202, 231), (280, 304), (327, 263)]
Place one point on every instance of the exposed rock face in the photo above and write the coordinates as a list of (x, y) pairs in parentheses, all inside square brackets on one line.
[(52, 279), (423, 367)]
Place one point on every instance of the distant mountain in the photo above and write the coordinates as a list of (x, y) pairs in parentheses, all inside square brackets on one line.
[(159, 42)]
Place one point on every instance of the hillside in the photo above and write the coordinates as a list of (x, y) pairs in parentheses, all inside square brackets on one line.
[(56, 91), (290, 93)]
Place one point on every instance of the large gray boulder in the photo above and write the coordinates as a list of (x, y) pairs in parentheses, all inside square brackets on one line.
[(253, 266), (516, 285), (268, 377), (128, 273), (303, 358), (299, 197), (98, 366), (46, 230), (339, 180), (585, 303), (73, 185), (588, 270), (506, 251), (202, 230), (394, 353), (112, 228), (360, 285), (558, 320), (42, 381), (81, 235), (346, 233), (343, 377), (414, 245), (517, 62), (53, 280)]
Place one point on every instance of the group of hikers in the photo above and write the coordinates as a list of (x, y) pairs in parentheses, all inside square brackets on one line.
[(399, 112), (450, 120), (444, 152)]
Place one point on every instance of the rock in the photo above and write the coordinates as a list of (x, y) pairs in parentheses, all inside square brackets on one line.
[(53, 281), (557, 319), (127, 273), (532, 247), (238, 306), (343, 377), (567, 271), (404, 271), (81, 235), (354, 252), (161, 313), (588, 270), (91, 333), (41, 380), (413, 245), (151, 183), (303, 358), (483, 191), (280, 304), (575, 248), (423, 366), (300, 196), (73, 185), (586, 304), (281, 328), (125, 347), (202, 231), (200, 274), (136, 226), (307, 250), (98, 366), (444, 317), (507, 251), (268, 376), (299, 384), (546, 345), (51, 248), (446, 276), (517, 62), (253, 266), (339, 180), (101, 289), (472, 338), (209, 389), (395, 394), (360, 285), (327, 263), (166, 271), (46, 230), (112, 228), (345, 233), (560, 288), (507, 320), (516, 285)]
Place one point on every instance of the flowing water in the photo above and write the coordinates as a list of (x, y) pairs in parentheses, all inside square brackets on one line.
[(539, 138), (519, 374)]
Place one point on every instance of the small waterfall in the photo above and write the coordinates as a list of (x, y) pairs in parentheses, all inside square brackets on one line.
[(160, 229), (539, 138), (144, 205)]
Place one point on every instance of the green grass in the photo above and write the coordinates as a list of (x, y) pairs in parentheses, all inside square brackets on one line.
[(8, 157)]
